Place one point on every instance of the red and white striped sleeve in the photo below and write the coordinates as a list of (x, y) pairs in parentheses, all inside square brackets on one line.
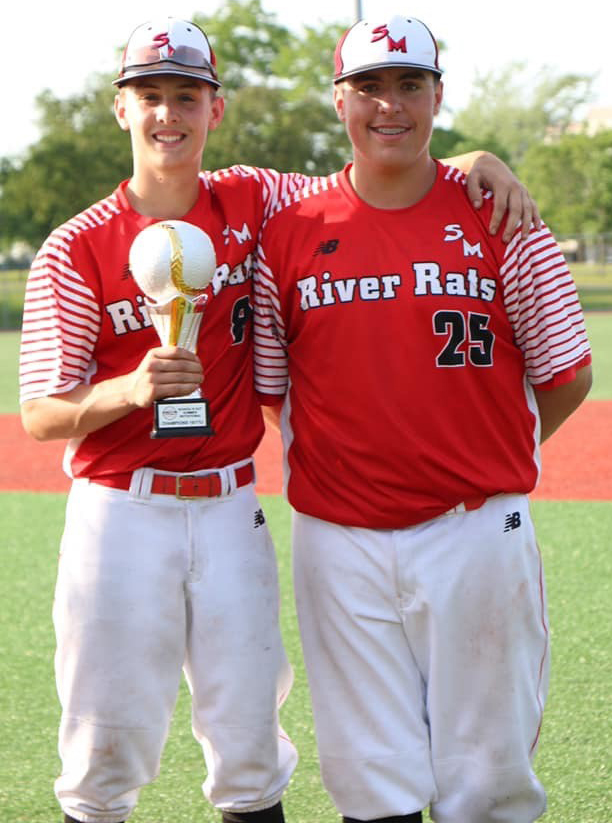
[(277, 188), (61, 322), (270, 342), (544, 309)]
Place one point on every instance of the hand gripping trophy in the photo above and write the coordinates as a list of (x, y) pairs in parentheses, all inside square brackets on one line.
[(173, 262)]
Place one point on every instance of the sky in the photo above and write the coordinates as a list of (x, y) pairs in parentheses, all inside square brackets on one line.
[(57, 45)]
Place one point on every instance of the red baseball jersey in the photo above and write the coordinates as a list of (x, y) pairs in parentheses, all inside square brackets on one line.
[(407, 341), (85, 320)]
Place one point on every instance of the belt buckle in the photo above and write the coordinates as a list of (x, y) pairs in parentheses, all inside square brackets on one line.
[(178, 493), (203, 483)]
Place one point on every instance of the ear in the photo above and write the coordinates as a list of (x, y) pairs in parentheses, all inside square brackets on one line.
[(217, 109), (119, 108), (439, 94), (339, 102)]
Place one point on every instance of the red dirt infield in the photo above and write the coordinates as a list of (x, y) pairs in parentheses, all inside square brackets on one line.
[(577, 460)]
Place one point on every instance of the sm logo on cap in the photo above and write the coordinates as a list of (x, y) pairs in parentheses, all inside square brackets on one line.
[(392, 45), (162, 40)]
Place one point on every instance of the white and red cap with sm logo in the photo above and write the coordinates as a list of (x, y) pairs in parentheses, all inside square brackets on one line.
[(168, 46), (372, 44)]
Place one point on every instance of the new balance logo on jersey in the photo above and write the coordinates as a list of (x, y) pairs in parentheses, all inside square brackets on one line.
[(513, 521), (326, 247), (259, 519)]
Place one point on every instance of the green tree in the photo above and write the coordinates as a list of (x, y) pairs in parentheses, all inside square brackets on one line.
[(278, 90), (277, 86), (262, 128), (246, 41), (512, 109), (571, 180), (80, 152), (252, 49), (448, 143)]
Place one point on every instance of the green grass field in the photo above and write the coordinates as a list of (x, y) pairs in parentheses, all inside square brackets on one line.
[(574, 761), (575, 757)]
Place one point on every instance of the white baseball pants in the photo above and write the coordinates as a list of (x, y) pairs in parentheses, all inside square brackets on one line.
[(145, 588), (427, 657)]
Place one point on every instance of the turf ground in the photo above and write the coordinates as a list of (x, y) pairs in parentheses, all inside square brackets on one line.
[(575, 757)]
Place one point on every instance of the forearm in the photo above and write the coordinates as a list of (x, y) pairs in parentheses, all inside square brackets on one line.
[(271, 415), (78, 412), (163, 372), (556, 405), (464, 162)]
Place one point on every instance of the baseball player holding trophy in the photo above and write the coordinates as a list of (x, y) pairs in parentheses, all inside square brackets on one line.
[(143, 302), (166, 560), (173, 262), (421, 362)]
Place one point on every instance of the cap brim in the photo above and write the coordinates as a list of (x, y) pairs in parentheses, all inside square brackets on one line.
[(167, 68), (386, 65)]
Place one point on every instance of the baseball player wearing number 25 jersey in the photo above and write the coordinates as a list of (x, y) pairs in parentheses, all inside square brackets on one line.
[(420, 361)]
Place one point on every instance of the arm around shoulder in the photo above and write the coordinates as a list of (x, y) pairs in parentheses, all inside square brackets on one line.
[(511, 198), (556, 404)]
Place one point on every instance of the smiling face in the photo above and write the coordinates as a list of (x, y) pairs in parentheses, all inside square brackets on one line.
[(168, 118), (388, 114)]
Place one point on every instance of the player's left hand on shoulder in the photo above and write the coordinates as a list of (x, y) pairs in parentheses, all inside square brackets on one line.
[(521, 208), (510, 197)]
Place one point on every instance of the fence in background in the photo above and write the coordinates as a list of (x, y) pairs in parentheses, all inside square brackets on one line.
[(594, 250)]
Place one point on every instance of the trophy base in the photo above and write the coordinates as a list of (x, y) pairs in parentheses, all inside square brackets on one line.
[(181, 417)]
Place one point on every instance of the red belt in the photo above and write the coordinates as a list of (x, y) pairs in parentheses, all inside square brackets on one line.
[(184, 485)]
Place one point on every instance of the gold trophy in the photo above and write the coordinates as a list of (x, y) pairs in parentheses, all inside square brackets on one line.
[(173, 262)]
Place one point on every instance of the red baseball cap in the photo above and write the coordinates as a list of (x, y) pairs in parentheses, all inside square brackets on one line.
[(380, 44), (168, 46)]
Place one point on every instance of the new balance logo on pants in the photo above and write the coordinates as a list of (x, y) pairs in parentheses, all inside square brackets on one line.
[(513, 521)]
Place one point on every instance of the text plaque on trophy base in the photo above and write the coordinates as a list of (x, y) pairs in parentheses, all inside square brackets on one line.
[(181, 417)]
